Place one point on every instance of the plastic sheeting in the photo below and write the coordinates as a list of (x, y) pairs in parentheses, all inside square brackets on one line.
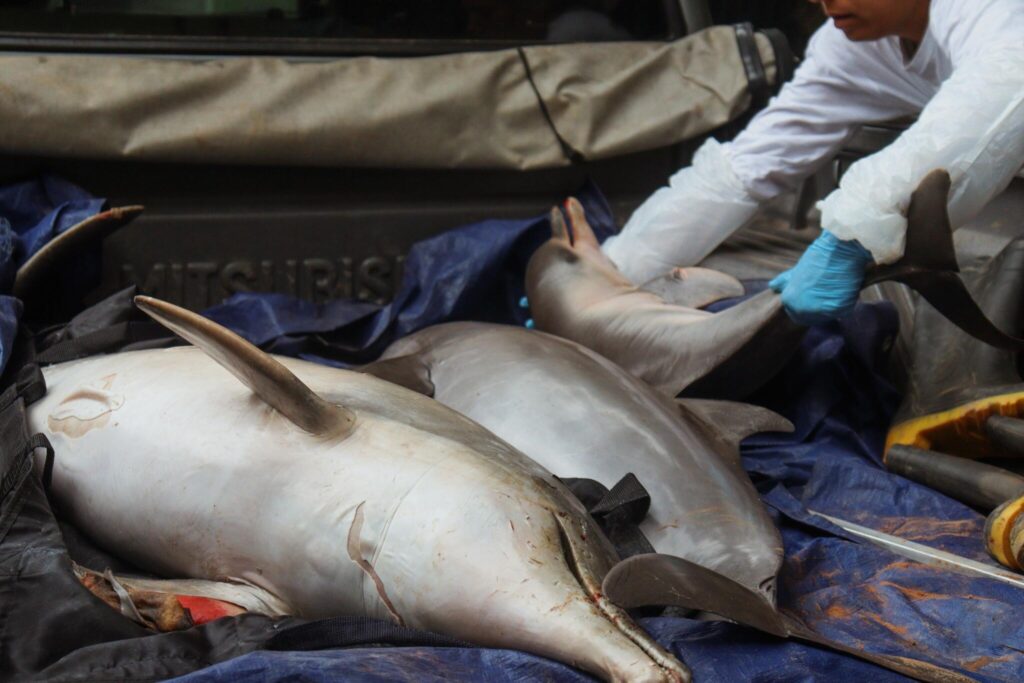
[(683, 222), (473, 110), (853, 593), (973, 127)]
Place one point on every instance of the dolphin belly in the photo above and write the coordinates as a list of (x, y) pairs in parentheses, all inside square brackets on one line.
[(413, 513)]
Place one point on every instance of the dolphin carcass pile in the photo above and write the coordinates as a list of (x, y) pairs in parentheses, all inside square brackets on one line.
[(422, 488)]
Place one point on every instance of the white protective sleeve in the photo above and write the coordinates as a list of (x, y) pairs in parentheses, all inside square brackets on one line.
[(682, 223), (973, 127), (799, 130)]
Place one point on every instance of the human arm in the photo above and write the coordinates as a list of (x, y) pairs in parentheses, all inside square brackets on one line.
[(800, 129), (973, 128)]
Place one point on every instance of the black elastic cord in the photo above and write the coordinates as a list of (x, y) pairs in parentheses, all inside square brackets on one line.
[(785, 60), (35, 442), (570, 152), (757, 79)]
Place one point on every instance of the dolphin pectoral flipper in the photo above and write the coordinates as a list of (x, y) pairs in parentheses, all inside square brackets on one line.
[(268, 379), (665, 580), (731, 420), (407, 371), (654, 579), (694, 287)]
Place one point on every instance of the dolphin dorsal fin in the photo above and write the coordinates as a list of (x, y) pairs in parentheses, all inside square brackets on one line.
[(270, 380), (733, 421)]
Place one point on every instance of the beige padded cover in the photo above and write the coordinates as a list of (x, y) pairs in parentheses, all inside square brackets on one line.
[(473, 110)]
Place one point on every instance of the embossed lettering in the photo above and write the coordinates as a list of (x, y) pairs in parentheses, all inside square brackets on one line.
[(238, 276), (291, 277), (201, 284), (374, 283), (197, 287), (319, 278)]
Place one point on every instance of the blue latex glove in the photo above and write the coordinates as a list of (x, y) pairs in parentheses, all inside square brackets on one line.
[(825, 282), (525, 303)]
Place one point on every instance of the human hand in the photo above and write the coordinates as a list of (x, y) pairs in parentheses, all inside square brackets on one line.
[(825, 282)]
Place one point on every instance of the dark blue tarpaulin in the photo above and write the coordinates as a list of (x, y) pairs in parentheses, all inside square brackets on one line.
[(834, 392), (31, 214)]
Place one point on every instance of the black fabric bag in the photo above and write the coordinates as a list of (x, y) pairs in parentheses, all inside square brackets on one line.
[(51, 627)]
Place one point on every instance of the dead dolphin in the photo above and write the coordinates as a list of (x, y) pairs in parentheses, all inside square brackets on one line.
[(334, 493), (580, 415), (694, 287), (576, 292)]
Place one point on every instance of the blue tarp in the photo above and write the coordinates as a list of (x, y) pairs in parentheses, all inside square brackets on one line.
[(31, 214), (834, 392)]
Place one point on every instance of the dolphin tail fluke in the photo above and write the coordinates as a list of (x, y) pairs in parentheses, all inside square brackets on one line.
[(929, 264), (270, 380), (665, 580)]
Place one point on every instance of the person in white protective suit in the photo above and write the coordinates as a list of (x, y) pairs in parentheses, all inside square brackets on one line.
[(958, 65)]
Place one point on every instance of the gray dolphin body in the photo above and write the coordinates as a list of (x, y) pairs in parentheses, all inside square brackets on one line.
[(331, 492), (576, 292), (580, 415)]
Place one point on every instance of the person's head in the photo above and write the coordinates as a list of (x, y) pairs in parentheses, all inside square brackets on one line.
[(874, 19)]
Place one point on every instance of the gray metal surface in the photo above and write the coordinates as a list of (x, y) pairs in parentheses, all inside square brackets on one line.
[(925, 555)]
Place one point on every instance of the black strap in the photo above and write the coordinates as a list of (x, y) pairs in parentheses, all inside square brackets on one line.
[(757, 78), (570, 152), (35, 442), (16, 446), (356, 632), (618, 511), (628, 498), (785, 60), (28, 385)]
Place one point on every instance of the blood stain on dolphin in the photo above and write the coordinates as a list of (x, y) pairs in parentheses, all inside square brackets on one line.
[(87, 408)]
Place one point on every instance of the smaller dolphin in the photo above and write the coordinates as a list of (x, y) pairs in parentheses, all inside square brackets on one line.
[(580, 415), (576, 292)]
